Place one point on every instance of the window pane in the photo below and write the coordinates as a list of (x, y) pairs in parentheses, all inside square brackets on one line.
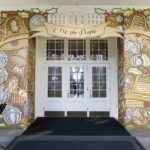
[(58, 53), (58, 93), (50, 93), (80, 44), (77, 50), (94, 44), (54, 82), (51, 44), (76, 81), (102, 93), (99, 82), (55, 49), (98, 50), (95, 93), (59, 44)]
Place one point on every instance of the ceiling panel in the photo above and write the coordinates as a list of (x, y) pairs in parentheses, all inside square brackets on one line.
[(31, 3)]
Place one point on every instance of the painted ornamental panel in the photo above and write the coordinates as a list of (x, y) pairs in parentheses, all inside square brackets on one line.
[(17, 52)]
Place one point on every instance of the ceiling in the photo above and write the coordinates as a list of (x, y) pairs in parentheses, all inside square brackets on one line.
[(46, 3)]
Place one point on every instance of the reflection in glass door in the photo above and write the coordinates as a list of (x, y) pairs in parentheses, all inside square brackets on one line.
[(76, 82), (99, 82), (54, 82)]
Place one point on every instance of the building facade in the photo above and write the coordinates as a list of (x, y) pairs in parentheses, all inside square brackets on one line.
[(53, 61)]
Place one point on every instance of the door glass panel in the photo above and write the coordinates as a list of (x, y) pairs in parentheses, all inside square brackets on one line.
[(99, 82), (98, 50), (77, 50), (55, 49), (54, 82), (76, 82)]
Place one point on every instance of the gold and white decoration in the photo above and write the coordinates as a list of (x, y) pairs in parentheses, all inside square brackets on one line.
[(14, 74), (3, 59), (17, 32), (4, 97), (12, 115), (99, 31)]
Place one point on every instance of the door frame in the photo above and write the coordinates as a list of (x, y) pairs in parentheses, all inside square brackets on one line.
[(40, 61)]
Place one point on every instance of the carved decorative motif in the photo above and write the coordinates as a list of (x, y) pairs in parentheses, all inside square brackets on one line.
[(36, 21), (12, 115)]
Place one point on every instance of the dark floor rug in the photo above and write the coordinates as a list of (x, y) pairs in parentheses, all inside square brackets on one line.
[(75, 134), (76, 126)]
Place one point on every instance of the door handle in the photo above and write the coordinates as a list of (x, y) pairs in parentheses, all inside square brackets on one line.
[(90, 93), (68, 95)]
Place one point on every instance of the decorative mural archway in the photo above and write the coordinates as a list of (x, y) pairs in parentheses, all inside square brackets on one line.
[(17, 51)]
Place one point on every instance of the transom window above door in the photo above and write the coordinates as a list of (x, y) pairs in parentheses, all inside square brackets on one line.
[(55, 49), (98, 50), (77, 50)]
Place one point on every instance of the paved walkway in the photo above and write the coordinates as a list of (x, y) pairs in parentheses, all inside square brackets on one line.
[(143, 136), (7, 135)]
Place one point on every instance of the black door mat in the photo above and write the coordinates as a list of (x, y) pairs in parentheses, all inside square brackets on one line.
[(48, 133), (42, 142), (76, 126)]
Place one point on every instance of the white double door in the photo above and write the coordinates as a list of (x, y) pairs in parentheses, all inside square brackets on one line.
[(77, 87)]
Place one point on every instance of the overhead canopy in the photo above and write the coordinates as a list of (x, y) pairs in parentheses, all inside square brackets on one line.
[(99, 31)]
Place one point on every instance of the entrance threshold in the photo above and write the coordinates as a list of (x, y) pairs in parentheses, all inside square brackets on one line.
[(76, 114)]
